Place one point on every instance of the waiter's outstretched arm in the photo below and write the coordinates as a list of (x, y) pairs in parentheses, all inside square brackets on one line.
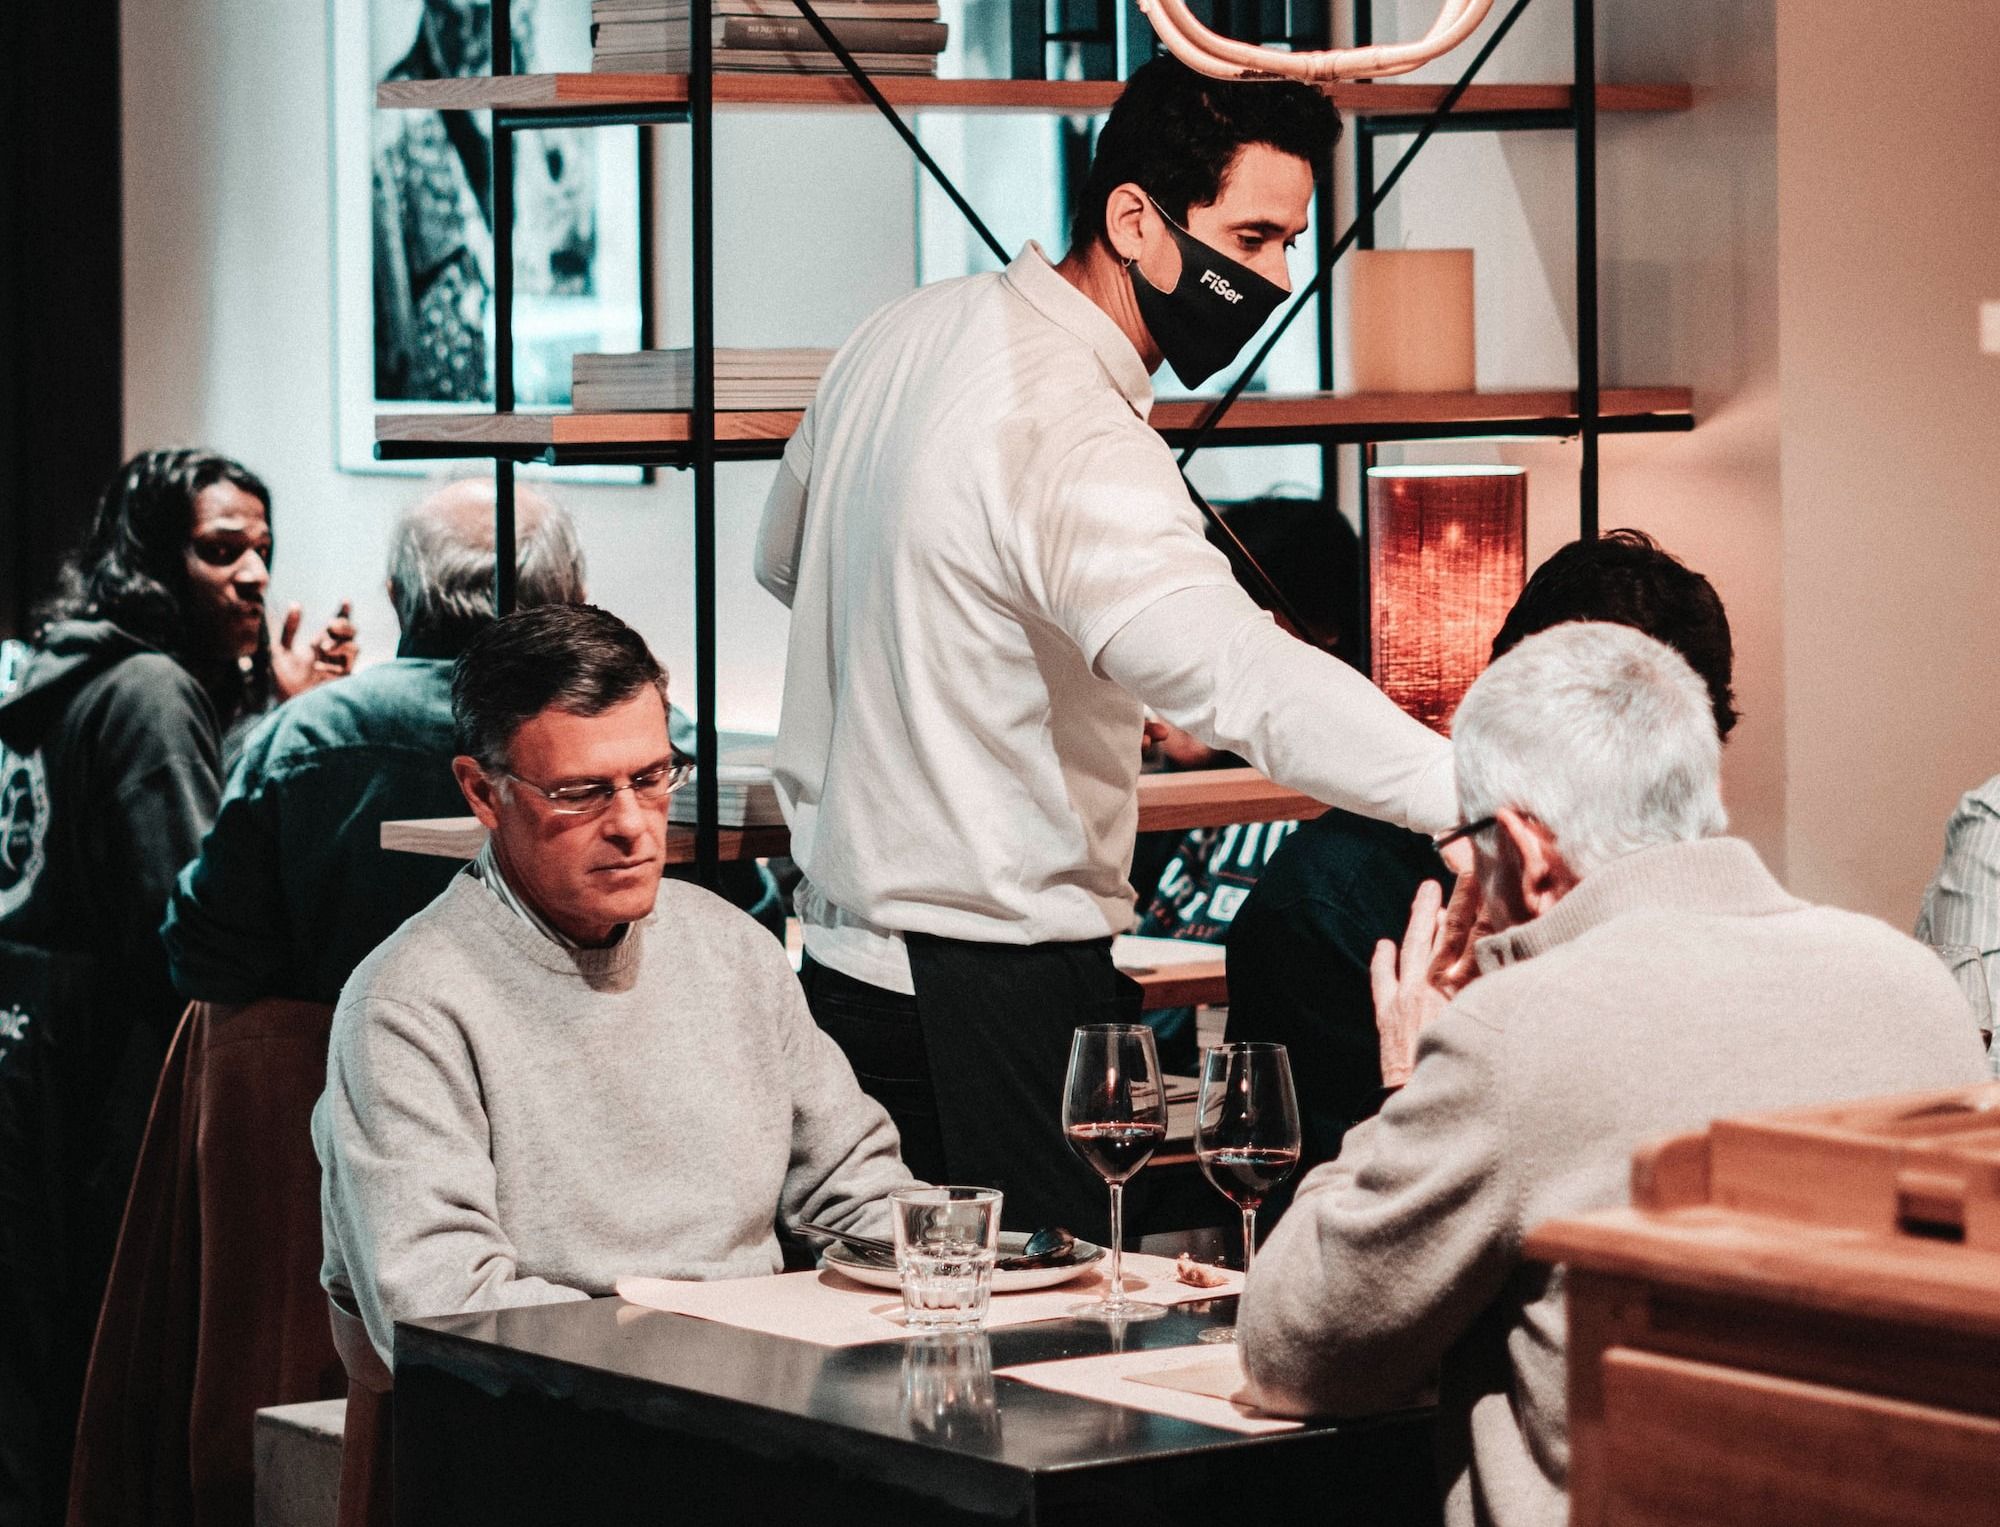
[(1209, 660)]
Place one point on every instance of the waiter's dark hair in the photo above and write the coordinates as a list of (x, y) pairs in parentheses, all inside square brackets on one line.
[(1175, 133), (570, 657), (1627, 578)]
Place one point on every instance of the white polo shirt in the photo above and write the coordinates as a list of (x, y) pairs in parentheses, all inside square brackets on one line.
[(992, 562)]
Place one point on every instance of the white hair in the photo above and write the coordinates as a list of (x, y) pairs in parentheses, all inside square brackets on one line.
[(1599, 732), (441, 561)]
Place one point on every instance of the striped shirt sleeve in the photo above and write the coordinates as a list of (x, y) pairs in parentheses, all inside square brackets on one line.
[(1962, 906)]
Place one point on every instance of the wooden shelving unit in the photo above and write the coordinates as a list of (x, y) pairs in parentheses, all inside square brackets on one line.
[(562, 438), (700, 440), (594, 94)]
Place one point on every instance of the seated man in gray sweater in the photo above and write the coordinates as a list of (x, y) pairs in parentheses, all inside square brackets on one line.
[(1642, 974), (564, 1070)]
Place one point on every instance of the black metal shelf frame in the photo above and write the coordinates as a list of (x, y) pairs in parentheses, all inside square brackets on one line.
[(1580, 119), (701, 451)]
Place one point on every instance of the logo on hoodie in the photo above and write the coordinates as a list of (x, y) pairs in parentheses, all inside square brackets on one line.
[(24, 827)]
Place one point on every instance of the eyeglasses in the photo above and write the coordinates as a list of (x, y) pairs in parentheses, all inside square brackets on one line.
[(1466, 830), (590, 797)]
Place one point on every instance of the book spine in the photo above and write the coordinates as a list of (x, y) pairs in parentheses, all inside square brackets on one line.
[(766, 61), (779, 34), (783, 10), (780, 10), (797, 35)]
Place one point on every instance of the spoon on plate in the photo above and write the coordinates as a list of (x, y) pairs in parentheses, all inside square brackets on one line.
[(1045, 1248)]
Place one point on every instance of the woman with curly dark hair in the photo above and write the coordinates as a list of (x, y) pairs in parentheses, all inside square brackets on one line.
[(111, 736)]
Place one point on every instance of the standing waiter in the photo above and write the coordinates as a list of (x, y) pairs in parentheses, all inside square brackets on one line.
[(993, 565)]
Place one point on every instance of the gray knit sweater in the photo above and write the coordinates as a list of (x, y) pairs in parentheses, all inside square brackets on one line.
[(509, 1122), (1674, 986)]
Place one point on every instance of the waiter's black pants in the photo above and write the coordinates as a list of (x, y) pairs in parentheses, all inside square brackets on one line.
[(971, 1067)]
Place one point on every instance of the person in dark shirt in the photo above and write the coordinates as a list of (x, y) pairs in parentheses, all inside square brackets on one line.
[(110, 751), (1300, 944), (292, 888), (1192, 883)]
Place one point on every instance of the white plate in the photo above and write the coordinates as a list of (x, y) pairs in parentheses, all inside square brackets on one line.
[(1017, 1281)]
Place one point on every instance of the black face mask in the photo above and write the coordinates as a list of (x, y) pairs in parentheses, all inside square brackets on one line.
[(1212, 311)]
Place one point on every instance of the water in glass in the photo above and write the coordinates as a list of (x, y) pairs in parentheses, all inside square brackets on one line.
[(946, 1242)]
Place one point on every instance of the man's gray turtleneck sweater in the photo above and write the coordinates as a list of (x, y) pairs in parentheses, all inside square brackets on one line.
[(508, 1121)]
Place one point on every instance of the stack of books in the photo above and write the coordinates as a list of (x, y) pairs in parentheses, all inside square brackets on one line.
[(767, 36), (746, 795), (650, 381)]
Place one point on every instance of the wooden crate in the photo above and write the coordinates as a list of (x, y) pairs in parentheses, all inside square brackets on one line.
[(1925, 1165), (1796, 1322)]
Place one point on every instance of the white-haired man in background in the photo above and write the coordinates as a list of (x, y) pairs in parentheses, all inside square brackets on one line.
[(1642, 975)]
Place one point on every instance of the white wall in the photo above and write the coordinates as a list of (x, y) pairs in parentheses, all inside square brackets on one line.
[(229, 315), (1688, 259), (1889, 237)]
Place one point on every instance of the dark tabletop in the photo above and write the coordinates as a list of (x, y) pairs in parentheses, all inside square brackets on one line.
[(919, 1415)]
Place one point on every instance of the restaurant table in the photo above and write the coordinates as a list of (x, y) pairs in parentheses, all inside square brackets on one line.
[(603, 1413)]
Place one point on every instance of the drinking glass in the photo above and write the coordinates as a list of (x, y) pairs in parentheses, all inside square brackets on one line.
[(1114, 1117), (948, 1387), (946, 1243), (1968, 968), (1246, 1134)]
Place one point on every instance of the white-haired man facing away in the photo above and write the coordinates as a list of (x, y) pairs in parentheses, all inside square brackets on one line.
[(1643, 975)]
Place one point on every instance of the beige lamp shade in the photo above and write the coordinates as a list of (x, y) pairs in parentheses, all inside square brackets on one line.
[(1410, 320), (1447, 553)]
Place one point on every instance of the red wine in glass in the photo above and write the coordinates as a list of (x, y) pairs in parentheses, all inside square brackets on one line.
[(1246, 1134), (1114, 1117), (1115, 1151), (1246, 1175)]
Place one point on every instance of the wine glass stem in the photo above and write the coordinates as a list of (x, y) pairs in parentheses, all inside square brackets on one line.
[(1249, 1238), (1117, 1294)]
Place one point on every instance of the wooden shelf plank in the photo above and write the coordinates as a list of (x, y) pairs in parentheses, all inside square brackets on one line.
[(1181, 983), (1256, 411), (463, 837), (597, 94), (1167, 803), (1296, 410), (1192, 985), (1216, 798), (556, 428)]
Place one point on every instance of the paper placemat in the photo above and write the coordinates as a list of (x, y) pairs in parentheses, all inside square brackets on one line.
[(1191, 1383), (831, 1311)]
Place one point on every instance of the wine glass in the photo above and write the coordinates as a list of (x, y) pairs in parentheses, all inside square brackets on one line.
[(1246, 1134), (1114, 1117)]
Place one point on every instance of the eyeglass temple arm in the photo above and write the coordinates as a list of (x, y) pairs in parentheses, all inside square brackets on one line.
[(1210, 53)]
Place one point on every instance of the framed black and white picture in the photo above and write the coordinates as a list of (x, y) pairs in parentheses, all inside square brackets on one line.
[(414, 249)]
